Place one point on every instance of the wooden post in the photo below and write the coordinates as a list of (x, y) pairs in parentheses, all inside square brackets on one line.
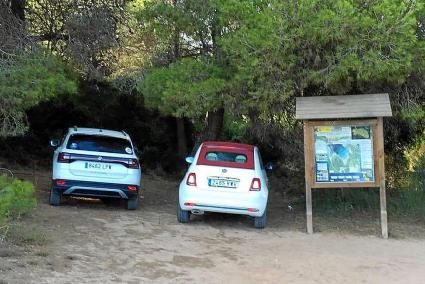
[(382, 191), (308, 171), (309, 209)]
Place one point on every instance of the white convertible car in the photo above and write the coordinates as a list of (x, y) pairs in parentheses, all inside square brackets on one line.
[(224, 177)]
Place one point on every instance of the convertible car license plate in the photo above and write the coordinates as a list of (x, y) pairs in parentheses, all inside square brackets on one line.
[(223, 182), (97, 166)]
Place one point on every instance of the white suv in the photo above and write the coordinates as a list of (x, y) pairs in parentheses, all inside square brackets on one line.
[(95, 163)]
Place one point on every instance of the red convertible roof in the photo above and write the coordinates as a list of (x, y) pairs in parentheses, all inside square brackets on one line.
[(219, 144), (238, 148)]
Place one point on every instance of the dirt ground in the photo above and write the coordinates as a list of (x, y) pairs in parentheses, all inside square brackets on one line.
[(88, 241)]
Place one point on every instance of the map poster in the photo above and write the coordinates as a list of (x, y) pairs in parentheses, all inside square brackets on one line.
[(344, 154)]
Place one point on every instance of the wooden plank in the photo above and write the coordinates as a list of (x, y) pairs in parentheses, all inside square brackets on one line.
[(356, 106), (376, 165), (343, 184), (382, 190), (308, 154), (329, 114), (357, 122)]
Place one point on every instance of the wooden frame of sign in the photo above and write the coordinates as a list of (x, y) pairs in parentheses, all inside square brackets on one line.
[(318, 173)]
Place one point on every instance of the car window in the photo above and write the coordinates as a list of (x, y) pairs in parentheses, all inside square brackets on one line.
[(226, 157), (99, 143)]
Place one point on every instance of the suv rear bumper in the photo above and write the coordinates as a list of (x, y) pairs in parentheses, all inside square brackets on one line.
[(95, 189)]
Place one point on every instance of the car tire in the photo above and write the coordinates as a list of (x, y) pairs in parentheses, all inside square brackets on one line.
[(260, 222), (183, 216), (55, 197), (133, 202)]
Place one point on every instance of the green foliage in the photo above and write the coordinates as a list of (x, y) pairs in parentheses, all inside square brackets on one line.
[(414, 114), (187, 78), (16, 198), (236, 129), (186, 88), (279, 49), (415, 153), (415, 195), (27, 78), (175, 29), (253, 57)]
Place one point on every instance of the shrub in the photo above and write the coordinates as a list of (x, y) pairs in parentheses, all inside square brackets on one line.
[(416, 164), (16, 198), (410, 200)]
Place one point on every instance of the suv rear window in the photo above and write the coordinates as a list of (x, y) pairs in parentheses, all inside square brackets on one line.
[(98, 143), (225, 157)]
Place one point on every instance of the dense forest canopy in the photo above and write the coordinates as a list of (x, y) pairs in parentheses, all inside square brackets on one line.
[(217, 69)]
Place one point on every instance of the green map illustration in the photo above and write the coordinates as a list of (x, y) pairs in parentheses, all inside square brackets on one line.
[(343, 153)]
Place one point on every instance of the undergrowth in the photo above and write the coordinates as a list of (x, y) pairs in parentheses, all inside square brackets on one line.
[(16, 199)]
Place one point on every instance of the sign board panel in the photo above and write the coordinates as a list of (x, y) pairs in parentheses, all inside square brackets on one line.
[(343, 153)]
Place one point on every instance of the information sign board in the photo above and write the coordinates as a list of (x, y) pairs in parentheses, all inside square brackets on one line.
[(343, 153)]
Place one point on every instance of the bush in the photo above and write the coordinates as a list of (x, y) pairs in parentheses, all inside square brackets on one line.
[(16, 198), (408, 202), (415, 156), (345, 201)]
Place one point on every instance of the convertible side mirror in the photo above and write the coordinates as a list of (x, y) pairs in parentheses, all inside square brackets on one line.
[(189, 160), (269, 166), (54, 143)]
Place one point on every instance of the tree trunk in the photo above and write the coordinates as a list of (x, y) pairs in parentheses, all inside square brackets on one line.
[(181, 138), (18, 8), (214, 124)]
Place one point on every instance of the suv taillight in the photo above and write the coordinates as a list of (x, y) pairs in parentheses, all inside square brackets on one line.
[(191, 179), (64, 157), (132, 187), (133, 163), (255, 185)]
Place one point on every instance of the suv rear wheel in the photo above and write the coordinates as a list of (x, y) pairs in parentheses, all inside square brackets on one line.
[(133, 202), (55, 197)]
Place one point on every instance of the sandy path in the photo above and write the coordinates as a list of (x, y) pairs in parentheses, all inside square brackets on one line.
[(91, 242)]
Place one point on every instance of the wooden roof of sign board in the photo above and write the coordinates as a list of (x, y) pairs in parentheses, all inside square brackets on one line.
[(353, 106)]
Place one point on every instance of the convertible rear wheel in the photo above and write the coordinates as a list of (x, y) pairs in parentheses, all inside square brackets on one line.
[(260, 222), (183, 216)]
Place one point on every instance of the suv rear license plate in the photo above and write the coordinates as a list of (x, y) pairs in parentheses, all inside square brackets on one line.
[(223, 182), (97, 166)]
